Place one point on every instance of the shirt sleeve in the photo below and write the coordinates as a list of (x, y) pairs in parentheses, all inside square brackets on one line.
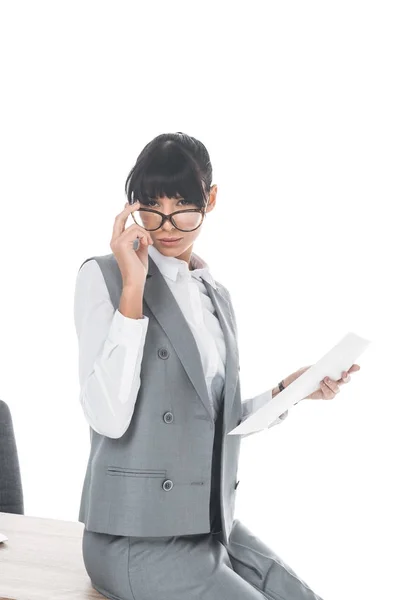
[(110, 354), (252, 404)]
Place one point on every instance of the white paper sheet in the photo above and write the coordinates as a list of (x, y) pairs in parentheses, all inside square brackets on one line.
[(340, 358), (3, 538)]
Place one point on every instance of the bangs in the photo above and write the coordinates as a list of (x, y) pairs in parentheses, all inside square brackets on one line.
[(167, 170)]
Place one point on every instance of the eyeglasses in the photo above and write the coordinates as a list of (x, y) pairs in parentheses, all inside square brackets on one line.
[(184, 220)]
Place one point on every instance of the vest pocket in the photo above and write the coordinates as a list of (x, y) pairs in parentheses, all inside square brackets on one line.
[(125, 471)]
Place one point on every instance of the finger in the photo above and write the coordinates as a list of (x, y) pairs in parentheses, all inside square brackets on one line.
[(121, 218), (327, 392), (346, 374), (134, 207), (345, 377), (138, 231), (332, 385)]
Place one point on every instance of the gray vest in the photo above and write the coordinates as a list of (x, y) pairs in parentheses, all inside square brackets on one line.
[(173, 472)]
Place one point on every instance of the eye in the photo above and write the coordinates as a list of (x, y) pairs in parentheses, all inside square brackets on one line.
[(148, 203)]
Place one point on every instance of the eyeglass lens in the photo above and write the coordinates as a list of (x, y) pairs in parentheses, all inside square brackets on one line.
[(183, 221)]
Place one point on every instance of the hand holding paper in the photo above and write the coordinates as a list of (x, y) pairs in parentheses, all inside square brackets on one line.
[(340, 358), (328, 387)]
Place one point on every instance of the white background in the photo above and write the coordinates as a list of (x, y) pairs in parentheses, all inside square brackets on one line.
[(298, 105)]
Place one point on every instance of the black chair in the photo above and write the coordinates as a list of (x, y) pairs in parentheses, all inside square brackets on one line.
[(11, 493)]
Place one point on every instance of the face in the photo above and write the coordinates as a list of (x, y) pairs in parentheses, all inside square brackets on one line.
[(182, 249)]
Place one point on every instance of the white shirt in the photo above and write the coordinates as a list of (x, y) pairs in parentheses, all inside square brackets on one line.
[(111, 344)]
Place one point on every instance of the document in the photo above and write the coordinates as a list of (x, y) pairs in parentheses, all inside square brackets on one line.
[(340, 358)]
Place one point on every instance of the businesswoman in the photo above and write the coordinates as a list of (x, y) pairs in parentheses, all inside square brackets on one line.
[(160, 389)]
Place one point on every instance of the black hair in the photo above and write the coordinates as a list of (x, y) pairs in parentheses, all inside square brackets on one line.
[(172, 165)]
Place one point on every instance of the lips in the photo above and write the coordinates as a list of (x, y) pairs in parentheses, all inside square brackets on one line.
[(169, 239)]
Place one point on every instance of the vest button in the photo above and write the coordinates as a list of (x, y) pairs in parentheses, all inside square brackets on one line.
[(168, 417), (163, 353), (167, 485)]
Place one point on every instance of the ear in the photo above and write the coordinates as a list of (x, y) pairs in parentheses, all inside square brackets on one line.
[(213, 197)]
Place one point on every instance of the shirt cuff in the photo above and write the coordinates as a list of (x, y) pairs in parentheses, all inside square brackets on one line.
[(125, 329)]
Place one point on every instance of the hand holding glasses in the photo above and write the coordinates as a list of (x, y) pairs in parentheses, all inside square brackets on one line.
[(133, 265)]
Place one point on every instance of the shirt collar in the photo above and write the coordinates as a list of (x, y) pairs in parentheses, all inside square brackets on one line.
[(172, 267)]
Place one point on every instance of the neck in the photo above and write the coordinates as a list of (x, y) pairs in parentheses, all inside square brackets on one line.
[(186, 256)]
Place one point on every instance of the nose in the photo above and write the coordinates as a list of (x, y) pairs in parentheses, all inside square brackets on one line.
[(167, 226)]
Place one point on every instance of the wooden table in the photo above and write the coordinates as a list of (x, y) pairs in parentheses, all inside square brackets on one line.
[(42, 560)]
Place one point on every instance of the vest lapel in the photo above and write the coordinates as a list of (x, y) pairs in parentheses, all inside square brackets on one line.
[(221, 304), (166, 310)]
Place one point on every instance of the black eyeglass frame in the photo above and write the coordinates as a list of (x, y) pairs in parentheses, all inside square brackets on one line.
[(169, 217)]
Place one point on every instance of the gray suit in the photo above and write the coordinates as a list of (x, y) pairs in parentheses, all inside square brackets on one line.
[(172, 474)]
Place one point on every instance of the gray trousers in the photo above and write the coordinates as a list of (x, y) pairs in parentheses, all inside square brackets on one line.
[(190, 567)]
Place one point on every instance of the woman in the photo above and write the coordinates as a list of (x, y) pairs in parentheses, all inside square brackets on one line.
[(158, 365)]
